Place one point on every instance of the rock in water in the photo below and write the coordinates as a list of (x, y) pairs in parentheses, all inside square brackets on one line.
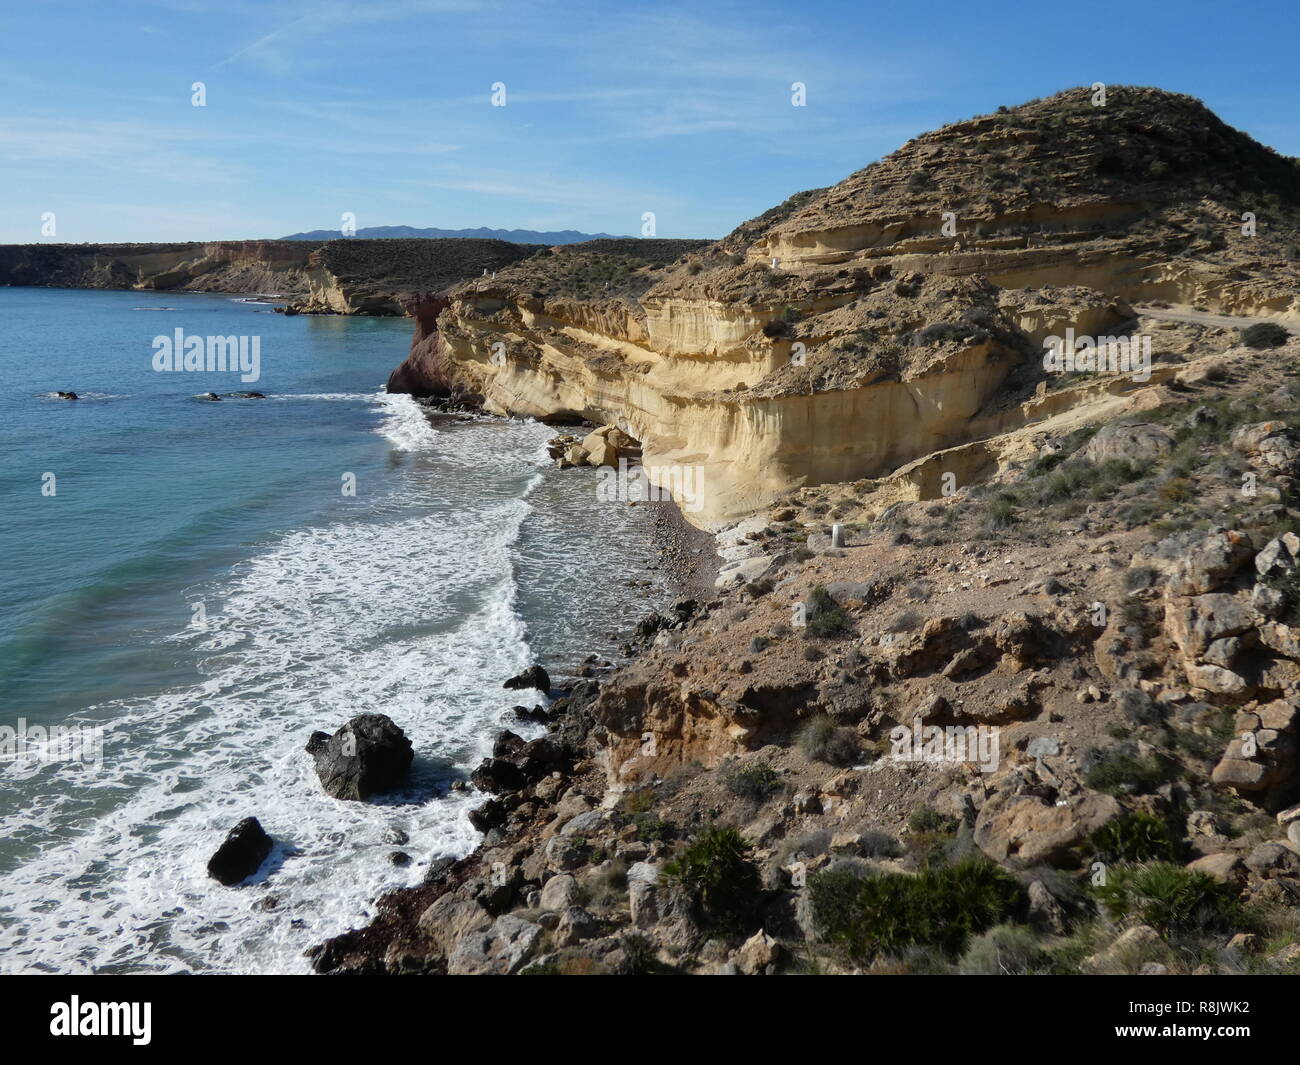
[(66, 395), (367, 756), (242, 854), (532, 677)]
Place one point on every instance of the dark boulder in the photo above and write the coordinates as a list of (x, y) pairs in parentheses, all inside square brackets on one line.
[(242, 853), (536, 715), (532, 677), (492, 814), (496, 775), (66, 395), (367, 756), (649, 625), (507, 745), (440, 869), (539, 757)]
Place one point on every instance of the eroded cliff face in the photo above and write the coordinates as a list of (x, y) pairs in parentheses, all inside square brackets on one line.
[(346, 276), (857, 329), (386, 276), (1063, 568), (701, 385), (277, 266)]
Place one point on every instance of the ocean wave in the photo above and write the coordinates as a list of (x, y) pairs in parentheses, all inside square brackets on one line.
[(413, 618), (331, 397), (405, 423)]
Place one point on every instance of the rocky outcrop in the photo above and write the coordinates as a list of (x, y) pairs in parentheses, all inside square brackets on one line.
[(241, 854), (343, 276), (882, 322), (388, 277), (995, 673), (272, 266), (532, 677), (368, 756)]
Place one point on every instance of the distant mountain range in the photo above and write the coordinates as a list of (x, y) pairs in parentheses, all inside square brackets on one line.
[(517, 236)]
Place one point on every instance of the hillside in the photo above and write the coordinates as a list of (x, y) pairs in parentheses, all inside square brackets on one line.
[(1062, 215), (340, 276), (1034, 707), (353, 276), (244, 266)]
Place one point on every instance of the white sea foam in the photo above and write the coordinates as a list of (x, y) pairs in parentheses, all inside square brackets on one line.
[(412, 618), (331, 397), (405, 422)]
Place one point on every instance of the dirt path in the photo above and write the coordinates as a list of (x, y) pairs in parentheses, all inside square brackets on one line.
[(1187, 314)]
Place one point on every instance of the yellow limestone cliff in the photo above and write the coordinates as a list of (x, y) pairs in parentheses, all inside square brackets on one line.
[(855, 330)]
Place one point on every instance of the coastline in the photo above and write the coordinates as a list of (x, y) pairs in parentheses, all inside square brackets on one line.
[(393, 942)]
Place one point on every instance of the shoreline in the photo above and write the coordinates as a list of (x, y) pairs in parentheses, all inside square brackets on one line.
[(690, 562)]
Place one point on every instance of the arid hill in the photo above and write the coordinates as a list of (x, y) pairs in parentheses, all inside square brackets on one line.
[(342, 276), (901, 312), (1034, 706)]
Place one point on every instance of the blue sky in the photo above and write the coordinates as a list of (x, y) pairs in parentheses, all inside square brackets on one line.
[(383, 108)]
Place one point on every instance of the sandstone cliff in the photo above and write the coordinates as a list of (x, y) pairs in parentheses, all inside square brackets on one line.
[(219, 266), (858, 328), (338, 277), (386, 276), (1034, 707)]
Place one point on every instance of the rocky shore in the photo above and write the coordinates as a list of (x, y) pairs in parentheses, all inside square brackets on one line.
[(720, 804), (997, 667)]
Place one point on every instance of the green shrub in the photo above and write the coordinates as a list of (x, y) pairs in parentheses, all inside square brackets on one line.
[(1004, 950), (890, 913), (826, 618), (1118, 772), (1134, 837), (1001, 510), (1115, 472), (1066, 482), (1170, 899), (1176, 490), (756, 781), (650, 828), (637, 801), (716, 871), (931, 835), (640, 957), (1264, 335), (928, 819), (822, 741)]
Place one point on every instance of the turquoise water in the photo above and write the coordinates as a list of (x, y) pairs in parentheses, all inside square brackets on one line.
[(200, 589)]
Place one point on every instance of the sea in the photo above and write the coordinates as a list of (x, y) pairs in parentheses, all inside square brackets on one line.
[(189, 589)]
